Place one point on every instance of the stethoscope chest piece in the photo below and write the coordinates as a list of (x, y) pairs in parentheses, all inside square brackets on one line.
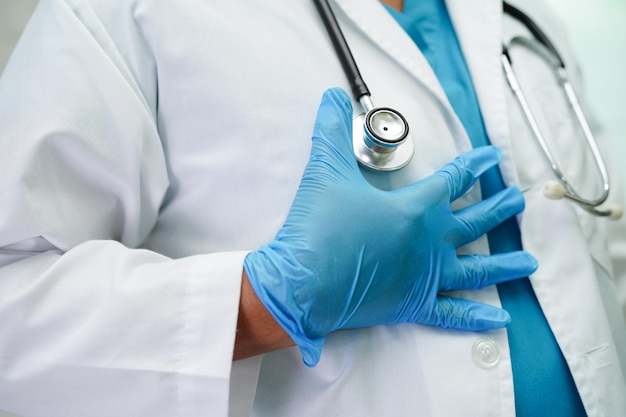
[(381, 139), (381, 135)]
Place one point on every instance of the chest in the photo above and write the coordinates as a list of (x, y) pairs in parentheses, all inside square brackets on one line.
[(237, 107), (239, 85)]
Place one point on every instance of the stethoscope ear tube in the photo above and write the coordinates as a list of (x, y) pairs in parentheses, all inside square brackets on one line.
[(555, 191), (534, 30), (562, 188)]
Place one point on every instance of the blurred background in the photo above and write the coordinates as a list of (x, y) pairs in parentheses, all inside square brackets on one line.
[(597, 30)]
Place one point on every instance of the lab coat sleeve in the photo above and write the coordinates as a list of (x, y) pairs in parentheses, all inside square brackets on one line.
[(609, 238), (613, 248), (613, 231), (91, 325), (617, 230)]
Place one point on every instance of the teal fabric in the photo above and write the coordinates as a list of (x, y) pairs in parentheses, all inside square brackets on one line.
[(543, 383)]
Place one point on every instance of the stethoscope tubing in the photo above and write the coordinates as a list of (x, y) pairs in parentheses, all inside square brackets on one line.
[(574, 102), (381, 140), (366, 152), (357, 85)]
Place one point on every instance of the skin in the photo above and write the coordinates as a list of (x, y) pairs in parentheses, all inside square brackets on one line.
[(396, 4), (257, 331)]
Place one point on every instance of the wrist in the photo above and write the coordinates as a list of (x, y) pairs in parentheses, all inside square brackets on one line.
[(257, 330), (285, 290)]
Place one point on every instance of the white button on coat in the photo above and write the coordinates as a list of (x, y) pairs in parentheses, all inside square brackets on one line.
[(485, 353)]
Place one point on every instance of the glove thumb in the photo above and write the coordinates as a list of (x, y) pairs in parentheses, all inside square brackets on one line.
[(332, 135)]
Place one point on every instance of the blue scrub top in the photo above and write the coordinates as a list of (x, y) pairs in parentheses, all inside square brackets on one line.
[(542, 381)]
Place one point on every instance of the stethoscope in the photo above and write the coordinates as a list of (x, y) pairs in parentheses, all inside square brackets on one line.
[(384, 142)]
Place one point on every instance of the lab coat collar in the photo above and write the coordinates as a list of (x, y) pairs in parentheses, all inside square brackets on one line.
[(478, 26), (381, 28)]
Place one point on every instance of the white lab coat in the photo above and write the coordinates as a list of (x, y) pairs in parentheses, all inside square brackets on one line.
[(147, 146)]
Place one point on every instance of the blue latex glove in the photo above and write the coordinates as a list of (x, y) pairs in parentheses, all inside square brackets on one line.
[(350, 255)]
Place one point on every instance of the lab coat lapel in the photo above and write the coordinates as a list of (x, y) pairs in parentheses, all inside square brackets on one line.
[(478, 25), (381, 28)]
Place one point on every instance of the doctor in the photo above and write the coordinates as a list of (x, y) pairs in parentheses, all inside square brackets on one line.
[(157, 218)]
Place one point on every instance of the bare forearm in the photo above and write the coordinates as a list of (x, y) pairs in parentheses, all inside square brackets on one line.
[(257, 331)]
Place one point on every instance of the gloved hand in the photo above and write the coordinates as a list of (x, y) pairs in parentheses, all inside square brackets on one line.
[(350, 255)]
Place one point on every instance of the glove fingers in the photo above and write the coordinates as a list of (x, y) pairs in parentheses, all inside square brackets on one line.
[(463, 172), (332, 134), (467, 315), (479, 218), (480, 271)]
